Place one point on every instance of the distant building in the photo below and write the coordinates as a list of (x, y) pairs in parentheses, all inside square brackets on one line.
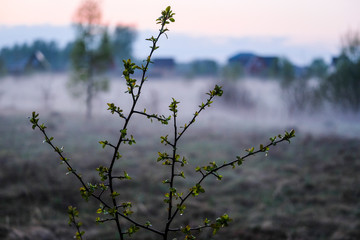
[(162, 67), (17, 67), (242, 58), (253, 64), (35, 62)]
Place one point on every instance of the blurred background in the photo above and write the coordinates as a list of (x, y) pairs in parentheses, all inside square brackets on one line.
[(283, 65)]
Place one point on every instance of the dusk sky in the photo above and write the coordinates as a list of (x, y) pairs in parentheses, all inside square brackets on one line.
[(315, 26)]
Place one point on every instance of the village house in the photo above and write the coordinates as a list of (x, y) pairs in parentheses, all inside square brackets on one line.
[(36, 61), (253, 64)]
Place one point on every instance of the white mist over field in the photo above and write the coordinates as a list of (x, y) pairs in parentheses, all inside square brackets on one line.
[(264, 104)]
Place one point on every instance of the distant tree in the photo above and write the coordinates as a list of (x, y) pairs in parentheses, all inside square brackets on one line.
[(274, 69), (318, 68), (342, 87), (2, 67), (286, 72), (235, 94), (232, 71), (91, 53), (122, 43), (65, 55), (204, 68), (351, 46)]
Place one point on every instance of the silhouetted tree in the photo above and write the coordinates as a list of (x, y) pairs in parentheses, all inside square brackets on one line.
[(232, 71), (286, 72), (2, 67), (204, 68), (343, 86), (122, 42), (318, 68), (91, 53)]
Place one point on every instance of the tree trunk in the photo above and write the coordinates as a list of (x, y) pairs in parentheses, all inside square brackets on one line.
[(89, 95)]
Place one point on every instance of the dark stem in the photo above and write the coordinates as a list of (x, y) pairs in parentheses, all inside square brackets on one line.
[(170, 205), (127, 120)]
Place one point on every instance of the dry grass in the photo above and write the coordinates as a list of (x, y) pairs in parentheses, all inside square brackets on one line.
[(306, 190)]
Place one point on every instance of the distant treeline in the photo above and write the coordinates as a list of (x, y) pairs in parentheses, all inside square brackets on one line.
[(15, 58), (22, 58)]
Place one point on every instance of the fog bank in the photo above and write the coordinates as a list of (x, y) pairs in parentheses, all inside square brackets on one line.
[(260, 104)]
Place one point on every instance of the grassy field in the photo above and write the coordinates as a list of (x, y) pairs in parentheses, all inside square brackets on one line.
[(309, 189)]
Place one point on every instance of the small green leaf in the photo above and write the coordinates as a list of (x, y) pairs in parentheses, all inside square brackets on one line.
[(114, 194), (250, 150), (133, 229), (126, 176), (240, 160)]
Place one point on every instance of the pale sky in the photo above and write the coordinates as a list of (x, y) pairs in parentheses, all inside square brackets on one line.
[(320, 22)]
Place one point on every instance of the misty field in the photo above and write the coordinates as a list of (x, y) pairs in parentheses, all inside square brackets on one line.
[(308, 189)]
